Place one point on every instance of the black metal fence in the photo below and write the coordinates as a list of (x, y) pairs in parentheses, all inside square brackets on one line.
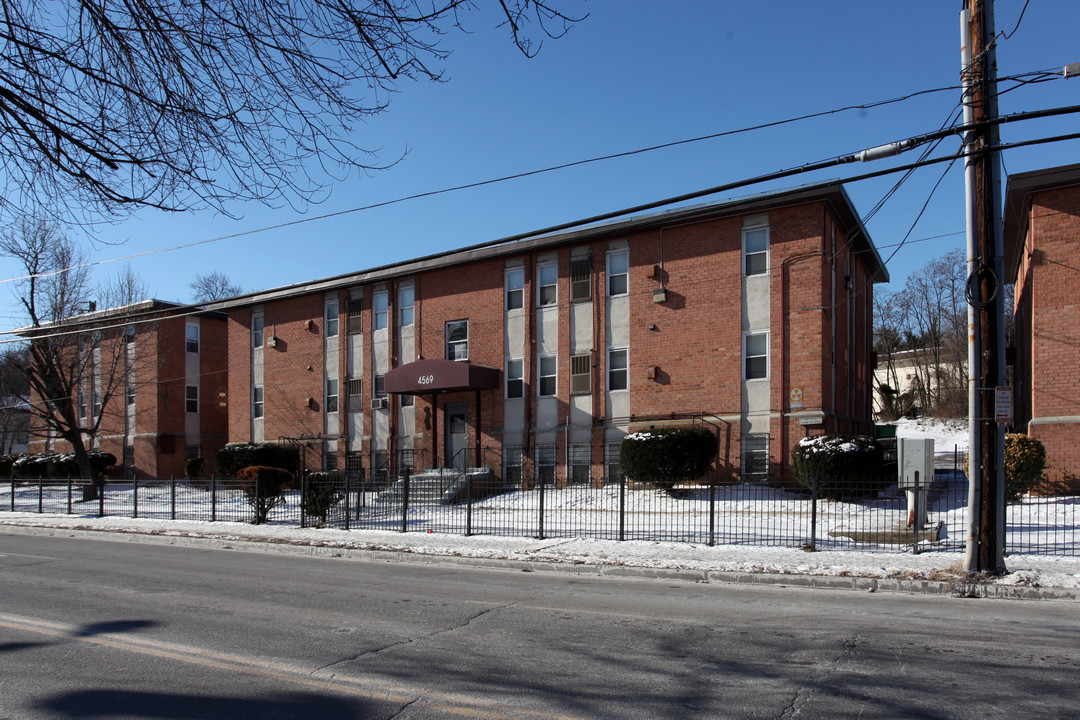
[(876, 516)]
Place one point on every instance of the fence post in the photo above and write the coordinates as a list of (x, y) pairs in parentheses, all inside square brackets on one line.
[(134, 496), (40, 495), (101, 496), (813, 514), (69, 493), (13, 495), (622, 507), (468, 504), (405, 505), (712, 510), (540, 534), (347, 491), (172, 496), (918, 515), (303, 490), (213, 498)]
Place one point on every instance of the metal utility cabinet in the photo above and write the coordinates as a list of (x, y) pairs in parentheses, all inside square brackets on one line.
[(915, 464)]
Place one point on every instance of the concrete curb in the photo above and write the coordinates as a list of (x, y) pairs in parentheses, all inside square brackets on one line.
[(959, 589)]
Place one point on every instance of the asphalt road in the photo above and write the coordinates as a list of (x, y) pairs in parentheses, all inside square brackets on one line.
[(99, 629)]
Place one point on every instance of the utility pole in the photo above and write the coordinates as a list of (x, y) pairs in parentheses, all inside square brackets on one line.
[(986, 317)]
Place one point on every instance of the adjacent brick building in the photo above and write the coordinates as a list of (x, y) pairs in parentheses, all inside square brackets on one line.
[(1042, 254), (536, 356), (152, 376)]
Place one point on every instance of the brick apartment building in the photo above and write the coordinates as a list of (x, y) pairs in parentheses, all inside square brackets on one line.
[(536, 356), (1042, 254), (154, 375)]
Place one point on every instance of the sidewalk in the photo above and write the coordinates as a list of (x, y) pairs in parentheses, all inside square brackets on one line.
[(936, 572)]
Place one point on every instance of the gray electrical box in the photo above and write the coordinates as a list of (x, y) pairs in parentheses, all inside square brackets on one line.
[(915, 462)]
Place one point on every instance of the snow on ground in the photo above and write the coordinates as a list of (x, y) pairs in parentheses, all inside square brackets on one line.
[(1024, 569)]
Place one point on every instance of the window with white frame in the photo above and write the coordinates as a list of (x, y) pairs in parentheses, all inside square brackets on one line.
[(612, 464), (380, 385), (457, 340), (756, 251), (331, 395), (515, 288), (331, 318), (330, 461), (257, 401), (548, 284), (511, 465), (97, 403), (191, 399), (406, 305), (618, 273), (191, 343), (81, 402), (380, 305), (618, 370), (257, 330), (548, 366), (756, 355), (515, 378), (131, 393)]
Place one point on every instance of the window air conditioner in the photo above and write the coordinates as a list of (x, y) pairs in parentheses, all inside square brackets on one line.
[(379, 403)]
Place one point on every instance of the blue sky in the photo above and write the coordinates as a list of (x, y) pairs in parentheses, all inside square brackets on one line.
[(633, 75)]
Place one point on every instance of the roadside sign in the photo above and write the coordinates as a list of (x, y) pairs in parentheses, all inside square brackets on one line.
[(1003, 404)]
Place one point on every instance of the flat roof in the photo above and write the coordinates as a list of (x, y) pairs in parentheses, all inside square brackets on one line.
[(1017, 199), (831, 192)]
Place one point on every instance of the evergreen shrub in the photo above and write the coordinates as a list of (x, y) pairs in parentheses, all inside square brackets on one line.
[(264, 489), (665, 457), (322, 491), (232, 458), (845, 465)]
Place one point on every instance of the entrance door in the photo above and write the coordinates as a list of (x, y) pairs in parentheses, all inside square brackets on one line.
[(457, 435)]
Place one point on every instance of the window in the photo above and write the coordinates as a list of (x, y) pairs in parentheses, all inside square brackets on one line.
[(755, 457), (581, 374), (617, 374), (580, 279), (756, 251), (406, 461), (355, 311), (756, 352), (356, 395), (512, 465), (457, 340), (81, 400), (380, 466), (191, 399), (618, 273), (580, 463), (257, 401), (257, 330), (406, 400), (406, 303), (97, 403), (130, 394), (515, 288), (331, 318), (129, 334), (611, 461), (549, 277), (545, 464), (192, 342), (548, 369), (380, 305), (330, 461), (515, 378), (331, 395), (380, 385)]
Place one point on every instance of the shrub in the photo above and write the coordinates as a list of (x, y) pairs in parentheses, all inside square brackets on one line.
[(322, 491), (264, 489), (6, 461), (193, 468), (235, 456), (845, 465), (667, 456), (1025, 460), (51, 465)]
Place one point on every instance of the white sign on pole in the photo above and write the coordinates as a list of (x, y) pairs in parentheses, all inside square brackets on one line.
[(1003, 404)]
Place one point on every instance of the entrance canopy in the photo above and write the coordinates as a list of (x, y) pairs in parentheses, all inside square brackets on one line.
[(424, 377)]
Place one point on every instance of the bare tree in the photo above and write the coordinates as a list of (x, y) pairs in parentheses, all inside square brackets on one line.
[(109, 106), (214, 285), (78, 358)]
